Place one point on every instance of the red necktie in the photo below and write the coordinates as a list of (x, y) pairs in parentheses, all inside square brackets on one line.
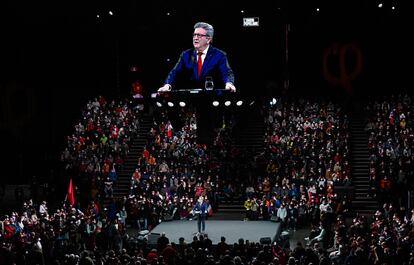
[(199, 63)]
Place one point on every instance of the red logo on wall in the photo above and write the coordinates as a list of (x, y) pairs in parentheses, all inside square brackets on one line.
[(342, 64)]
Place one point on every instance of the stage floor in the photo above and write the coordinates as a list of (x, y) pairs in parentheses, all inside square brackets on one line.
[(231, 230)]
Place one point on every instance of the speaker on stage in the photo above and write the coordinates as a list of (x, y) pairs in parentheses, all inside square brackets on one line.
[(265, 241)]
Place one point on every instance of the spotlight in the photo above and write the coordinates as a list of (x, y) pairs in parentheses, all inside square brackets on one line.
[(170, 104), (380, 5), (110, 13), (216, 103), (227, 103), (182, 104), (159, 104), (251, 103), (239, 103)]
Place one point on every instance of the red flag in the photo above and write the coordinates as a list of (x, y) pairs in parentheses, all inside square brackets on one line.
[(71, 195)]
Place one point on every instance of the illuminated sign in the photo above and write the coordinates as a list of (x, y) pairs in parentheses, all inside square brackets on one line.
[(250, 22)]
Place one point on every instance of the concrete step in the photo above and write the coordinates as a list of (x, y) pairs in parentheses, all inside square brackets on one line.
[(359, 155), (363, 172), (361, 186), (357, 181), (363, 198), (365, 212), (360, 169), (359, 174), (360, 159), (360, 194), (366, 201)]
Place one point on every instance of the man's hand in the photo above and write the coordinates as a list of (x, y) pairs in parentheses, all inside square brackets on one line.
[(231, 87), (164, 88)]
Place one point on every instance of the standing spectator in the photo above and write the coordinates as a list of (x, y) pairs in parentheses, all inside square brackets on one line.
[(292, 216), (108, 188), (248, 205), (255, 209), (282, 215), (43, 211), (162, 242), (123, 215)]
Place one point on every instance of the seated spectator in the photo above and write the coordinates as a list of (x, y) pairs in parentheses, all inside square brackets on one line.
[(339, 256), (317, 235)]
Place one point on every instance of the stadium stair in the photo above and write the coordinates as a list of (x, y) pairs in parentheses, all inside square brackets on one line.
[(230, 210), (123, 183), (248, 134), (248, 137), (362, 203)]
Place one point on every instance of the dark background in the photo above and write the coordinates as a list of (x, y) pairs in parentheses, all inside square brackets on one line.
[(56, 55)]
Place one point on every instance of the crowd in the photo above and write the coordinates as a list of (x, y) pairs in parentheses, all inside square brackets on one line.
[(390, 143), (306, 158), (172, 173), (98, 147)]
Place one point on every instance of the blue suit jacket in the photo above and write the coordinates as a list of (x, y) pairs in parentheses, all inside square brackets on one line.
[(184, 73), (200, 208)]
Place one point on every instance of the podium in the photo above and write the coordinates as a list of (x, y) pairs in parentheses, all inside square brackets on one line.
[(209, 117), (193, 92)]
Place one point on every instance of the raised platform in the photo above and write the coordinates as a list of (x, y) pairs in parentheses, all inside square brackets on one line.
[(231, 230)]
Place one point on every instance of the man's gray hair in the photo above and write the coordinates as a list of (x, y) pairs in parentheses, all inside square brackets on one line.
[(207, 27)]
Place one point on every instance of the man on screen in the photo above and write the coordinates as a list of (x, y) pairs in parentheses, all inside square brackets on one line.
[(201, 62)]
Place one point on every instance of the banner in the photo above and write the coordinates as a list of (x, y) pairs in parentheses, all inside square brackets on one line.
[(71, 195)]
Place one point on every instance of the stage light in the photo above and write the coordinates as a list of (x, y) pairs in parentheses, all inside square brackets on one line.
[(159, 105), (239, 103), (317, 9), (182, 104), (98, 16), (380, 5), (110, 13), (227, 103), (216, 103), (251, 103), (170, 104)]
